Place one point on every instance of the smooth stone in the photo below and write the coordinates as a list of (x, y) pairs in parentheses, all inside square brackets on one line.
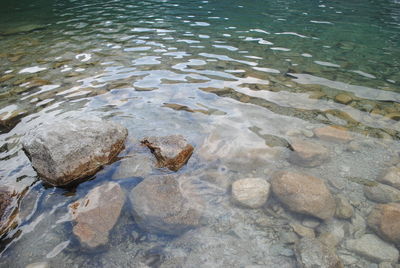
[(382, 193), (171, 152), (344, 210), (384, 219), (304, 194), (331, 233), (307, 153), (311, 223), (330, 133), (96, 214), (160, 206), (69, 150), (303, 231), (343, 98), (392, 177), (136, 165), (251, 192), (374, 249), (311, 253), (38, 265)]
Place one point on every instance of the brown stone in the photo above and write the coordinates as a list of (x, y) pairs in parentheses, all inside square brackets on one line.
[(344, 209), (171, 152), (343, 98), (6, 77), (8, 210), (304, 194), (96, 214), (385, 221), (308, 154), (333, 133)]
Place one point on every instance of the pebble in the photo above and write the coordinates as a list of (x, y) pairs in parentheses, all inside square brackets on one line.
[(251, 192), (382, 193)]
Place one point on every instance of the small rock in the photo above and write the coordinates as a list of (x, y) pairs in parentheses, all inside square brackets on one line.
[(96, 214), (304, 194), (348, 259), (7, 210), (311, 223), (136, 165), (303, 231), (251, 192), (330, 133), (343, 98), (392, 177), (384, 220), (343, 208), (311, 253), (69, 150), (358, 225), (160, 206), (385, 265), (331, 233), (170, 151), (382, 193), (372, 248), (6, 77), (38, 265), (308, 154)]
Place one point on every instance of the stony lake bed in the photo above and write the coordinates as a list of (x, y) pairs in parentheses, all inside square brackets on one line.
[(200, 134)]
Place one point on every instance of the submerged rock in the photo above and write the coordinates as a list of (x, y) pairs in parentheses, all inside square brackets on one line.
[(330, 133), (382, 193), (344, 210), (170, 151), (304, 194), (7, 210), (136, 165), (160, 206), (69, 150), (343, 98), (392, 177), (372, 248), (385, 221), (96, 214), (308, 154), (251, 192), (311, 253)]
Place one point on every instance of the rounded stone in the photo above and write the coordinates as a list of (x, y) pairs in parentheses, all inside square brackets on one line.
[(251, 192), (384, 219)]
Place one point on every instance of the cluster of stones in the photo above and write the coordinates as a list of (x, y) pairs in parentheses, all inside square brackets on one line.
[(70, 151)]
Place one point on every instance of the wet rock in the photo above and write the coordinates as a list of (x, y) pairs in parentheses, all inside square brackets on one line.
[(70, 150), (392, 177), (384, 220), (343, 98), (311, 253), (96, 214), (303, 231), (308, 154), (304, 194), (382, 193), (135, 165), (160, 206), (343, 208), (251, 192), (330, 133), (170, 151), (358, 225), (6, 77), (7, 210), (331, 233), (372, 248)]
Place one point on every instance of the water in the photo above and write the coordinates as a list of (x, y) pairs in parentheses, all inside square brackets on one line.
[(237, 78)]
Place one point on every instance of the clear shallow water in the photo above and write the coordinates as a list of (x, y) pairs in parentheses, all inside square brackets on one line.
[(235, 78)]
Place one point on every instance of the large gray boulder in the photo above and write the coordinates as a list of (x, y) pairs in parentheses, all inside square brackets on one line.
[(161, 206), (68, 150)]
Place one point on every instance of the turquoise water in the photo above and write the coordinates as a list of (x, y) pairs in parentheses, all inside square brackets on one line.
[(237, 78)]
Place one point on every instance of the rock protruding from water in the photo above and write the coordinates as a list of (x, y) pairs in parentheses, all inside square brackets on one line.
[(308, 154), (69, 150), (385, 221), (372, 248), (304, 194), (160, 206), (250, 192), (311, 253), (171, 152), (330, 133), (96, 214)]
